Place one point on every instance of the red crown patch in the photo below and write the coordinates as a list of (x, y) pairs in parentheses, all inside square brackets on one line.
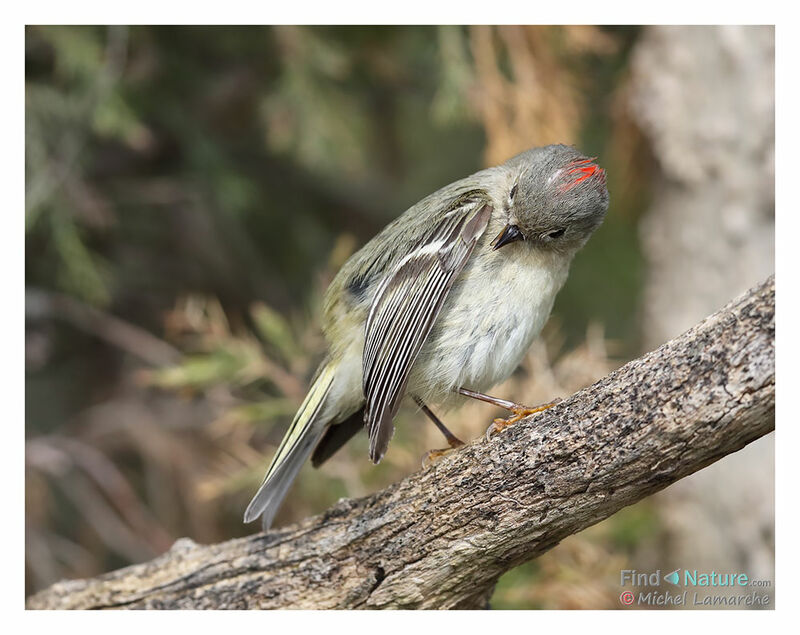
[(581, 170)]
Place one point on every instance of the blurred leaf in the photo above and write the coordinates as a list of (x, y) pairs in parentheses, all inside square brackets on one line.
[(260, 412), (79, 51), (275, 330), (114, 118), (235, 362), (81, 272)]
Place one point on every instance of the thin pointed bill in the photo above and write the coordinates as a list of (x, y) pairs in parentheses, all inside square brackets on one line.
[(510, 234)]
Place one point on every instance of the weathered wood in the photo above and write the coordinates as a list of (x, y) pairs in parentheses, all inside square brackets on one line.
[(441, 537)]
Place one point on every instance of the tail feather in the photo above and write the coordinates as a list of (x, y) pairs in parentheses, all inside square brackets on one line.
[(298, 443), (267, 501)]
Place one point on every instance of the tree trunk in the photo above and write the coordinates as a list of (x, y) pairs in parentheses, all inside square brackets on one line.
[(441, 537), (705, 98)]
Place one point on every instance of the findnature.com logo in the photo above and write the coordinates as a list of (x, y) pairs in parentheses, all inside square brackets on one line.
[(700, 588)]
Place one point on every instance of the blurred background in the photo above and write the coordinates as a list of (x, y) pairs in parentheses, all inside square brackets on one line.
[(190, 192)]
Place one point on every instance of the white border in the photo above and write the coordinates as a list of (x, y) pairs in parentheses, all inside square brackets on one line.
[(239, 12)]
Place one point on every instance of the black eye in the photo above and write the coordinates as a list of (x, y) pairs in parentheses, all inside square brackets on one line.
[(513, 192), (558, 233)]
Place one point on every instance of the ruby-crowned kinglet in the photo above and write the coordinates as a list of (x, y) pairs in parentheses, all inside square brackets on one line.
[(450, 295)]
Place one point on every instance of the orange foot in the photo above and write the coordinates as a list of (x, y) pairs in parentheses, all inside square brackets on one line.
[(434, 455), (520, 412)]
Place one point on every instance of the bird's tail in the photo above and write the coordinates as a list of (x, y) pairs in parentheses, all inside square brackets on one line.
[(298, 443)]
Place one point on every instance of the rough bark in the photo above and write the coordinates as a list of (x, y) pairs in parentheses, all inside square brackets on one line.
[(441, 537)]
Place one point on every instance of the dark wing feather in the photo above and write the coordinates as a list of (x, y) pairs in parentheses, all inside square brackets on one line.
[(336, 436), (405, 308)]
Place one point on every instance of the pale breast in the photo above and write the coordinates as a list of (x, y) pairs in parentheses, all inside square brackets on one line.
[(499, 305)]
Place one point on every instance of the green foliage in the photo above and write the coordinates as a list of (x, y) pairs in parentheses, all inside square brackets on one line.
[(507, 592), (275, 331), (632, 525)]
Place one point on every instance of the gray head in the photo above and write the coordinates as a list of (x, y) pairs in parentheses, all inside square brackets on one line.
[(558, 198)]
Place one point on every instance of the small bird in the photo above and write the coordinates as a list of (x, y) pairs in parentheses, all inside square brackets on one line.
[(443, 303)]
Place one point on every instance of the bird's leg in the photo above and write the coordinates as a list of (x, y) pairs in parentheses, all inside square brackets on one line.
[(519, 410), (452, 440)]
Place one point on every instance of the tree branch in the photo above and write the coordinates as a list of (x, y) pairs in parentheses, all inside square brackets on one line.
[(441, 537)]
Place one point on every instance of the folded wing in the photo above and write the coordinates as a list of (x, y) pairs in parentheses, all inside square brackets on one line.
[(406, 306)]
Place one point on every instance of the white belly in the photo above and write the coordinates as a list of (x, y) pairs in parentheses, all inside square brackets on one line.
[(488, 322)]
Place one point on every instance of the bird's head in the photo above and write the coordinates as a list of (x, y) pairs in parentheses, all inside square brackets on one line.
[(558, 197)]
